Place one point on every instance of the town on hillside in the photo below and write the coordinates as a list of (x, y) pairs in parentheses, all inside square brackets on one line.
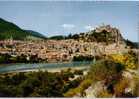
[(53, 50)]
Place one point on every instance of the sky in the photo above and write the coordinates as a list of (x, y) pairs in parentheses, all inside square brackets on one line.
[(64, 17)]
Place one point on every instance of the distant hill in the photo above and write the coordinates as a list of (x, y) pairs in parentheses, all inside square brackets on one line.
[(57, 37), (132, 44), (36, 34), (10, 30)]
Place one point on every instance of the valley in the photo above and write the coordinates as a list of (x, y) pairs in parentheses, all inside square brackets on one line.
[(97, 63)]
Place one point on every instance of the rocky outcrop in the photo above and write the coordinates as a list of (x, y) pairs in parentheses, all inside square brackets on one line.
[(104, 33), (94, 89), (115, 33)]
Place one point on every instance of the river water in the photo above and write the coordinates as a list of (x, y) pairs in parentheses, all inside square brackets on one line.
[(28, 67)]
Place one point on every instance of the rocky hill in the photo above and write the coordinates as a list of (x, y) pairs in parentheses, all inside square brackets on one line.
[(104, 33)]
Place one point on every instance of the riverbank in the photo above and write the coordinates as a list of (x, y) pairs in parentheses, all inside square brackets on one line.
[(53, 69), (50, 67)]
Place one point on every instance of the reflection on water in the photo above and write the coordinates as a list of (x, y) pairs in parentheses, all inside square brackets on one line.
[(20, 67)]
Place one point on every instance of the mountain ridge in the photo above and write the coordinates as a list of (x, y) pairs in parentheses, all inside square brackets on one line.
[(104, 34), (10, 30)]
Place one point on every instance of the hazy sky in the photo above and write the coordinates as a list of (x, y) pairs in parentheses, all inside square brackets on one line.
[(56, 18)]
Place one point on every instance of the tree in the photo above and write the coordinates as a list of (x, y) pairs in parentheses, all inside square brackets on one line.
[(105, 70)]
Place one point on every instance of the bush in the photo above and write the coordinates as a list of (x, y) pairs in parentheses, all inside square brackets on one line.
[(119, 88), (72, 84), (85, 84), (104, 94), (7, 58), (40, 83), (84, 58), (80, 89), (71, 92), (78, 72), (136, 87), (130, 60), (105, 70)]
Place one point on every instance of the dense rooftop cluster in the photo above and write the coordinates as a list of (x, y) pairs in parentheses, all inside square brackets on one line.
[(58, 50)]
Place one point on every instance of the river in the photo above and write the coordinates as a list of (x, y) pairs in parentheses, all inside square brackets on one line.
[(45, 66)]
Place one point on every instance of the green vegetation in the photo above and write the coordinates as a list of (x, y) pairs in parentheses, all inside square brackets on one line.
[(7, 58), (45, 84), (35, 34), (104, 36), (80, 89), (132, 44), (37, 84), (94, 36), (104, 94), (84, 58), (136, 87), (58, 37), (130, 59), (113, 71), (61, 37), (110, 72), (105, 70), (119, 87), (41, 83), (9, 30)]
